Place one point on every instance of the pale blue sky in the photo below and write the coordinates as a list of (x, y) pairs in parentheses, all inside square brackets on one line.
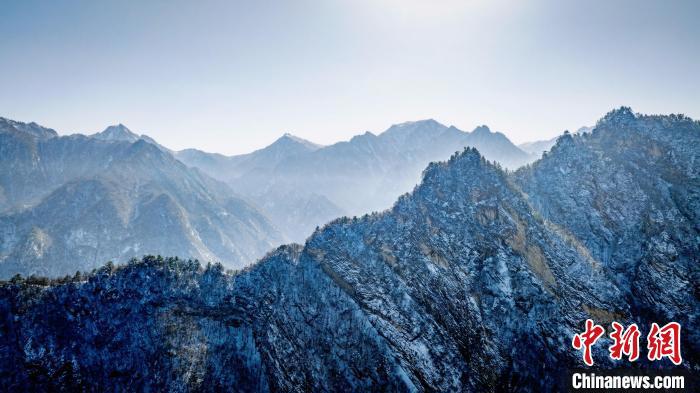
[(233, 76)]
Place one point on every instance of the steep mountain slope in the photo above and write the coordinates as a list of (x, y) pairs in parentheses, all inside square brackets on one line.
[(459, 287), (35, 161), (213, 164), (288, 180), (75, 202), (630, 191), (476, 281), (19, 154)]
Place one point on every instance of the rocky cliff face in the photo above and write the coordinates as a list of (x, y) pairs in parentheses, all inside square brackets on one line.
[(630, 192), (476, 281)]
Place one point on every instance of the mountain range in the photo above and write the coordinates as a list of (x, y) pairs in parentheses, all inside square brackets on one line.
[(301, 185), (73, 202), (477, 280)]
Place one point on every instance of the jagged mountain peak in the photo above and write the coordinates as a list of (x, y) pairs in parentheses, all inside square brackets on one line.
[(446, 291), (621, 116), (496, 146), (409, 126), (468, 160), (368, 135), (468, 156), (423, 122), (413, 133), (563, 141), (484, 132), (482, 129), (288, 139), (118, 132), (32, 128), (121, 133)]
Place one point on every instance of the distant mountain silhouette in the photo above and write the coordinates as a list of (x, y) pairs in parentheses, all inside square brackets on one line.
[(300, 185), (73, 202)]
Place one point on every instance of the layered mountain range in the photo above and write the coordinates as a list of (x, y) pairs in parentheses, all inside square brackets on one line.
[(300, 185), (477, 280), (73, 202)]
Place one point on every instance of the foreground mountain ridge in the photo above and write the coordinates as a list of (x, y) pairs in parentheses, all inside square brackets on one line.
[(476, 281)]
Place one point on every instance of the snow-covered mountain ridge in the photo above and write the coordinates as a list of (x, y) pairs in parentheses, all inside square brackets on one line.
[(475, 281)]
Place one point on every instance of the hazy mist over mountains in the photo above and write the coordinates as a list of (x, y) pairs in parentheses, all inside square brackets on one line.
[(73, 202), (474, 281), (301, 185), (349, 196)]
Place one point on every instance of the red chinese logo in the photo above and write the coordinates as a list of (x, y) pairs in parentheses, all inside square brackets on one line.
[(624, 342), (662, 342), (586, 339), (665, 342)]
